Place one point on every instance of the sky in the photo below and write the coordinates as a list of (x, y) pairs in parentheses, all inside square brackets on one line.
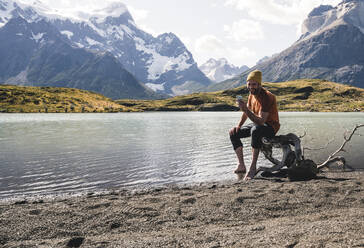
[(242, 31)]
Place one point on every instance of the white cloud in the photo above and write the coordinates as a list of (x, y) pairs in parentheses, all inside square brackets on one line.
[(148, 29), (208, 43), (244, 30), (79, 10), (209, 46), (241, 56), (284, 12), (185, 39), (79, 5), (214, 4), (138, 14)]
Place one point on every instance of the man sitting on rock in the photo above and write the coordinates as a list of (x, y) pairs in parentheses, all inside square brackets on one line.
[(261, 109)]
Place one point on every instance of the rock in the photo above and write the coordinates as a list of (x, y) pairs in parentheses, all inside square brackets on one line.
[(21, 202), (189, 201), (304, 170), (217, 107), (304, 90), (304, 96), (75, 242), (115, 225)]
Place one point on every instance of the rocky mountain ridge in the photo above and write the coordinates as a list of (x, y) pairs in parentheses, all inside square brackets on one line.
[(37, 54), (162, 63), (330, 48)]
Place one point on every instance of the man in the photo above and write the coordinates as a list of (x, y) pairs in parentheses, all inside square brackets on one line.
[(261, 109)]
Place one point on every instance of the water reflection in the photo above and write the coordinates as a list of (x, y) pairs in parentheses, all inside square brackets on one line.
[(48, 153)]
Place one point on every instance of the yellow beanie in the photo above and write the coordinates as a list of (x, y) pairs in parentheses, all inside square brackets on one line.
[(256, 76)]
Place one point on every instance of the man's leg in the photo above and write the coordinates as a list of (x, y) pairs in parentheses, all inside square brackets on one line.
[(257, 133), (241, 166), (253, 167), (238, 146)]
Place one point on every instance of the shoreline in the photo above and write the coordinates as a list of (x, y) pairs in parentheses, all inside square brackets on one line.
[(269, 212), (148, 188)]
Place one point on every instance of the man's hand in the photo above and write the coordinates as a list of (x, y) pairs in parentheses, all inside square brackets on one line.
[(234, 130), (242, 105)]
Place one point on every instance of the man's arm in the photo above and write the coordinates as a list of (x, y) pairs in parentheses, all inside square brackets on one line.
[(257, 119), (236, 129), (243, 118)]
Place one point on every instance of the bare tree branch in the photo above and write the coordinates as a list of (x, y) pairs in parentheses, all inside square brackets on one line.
[(320, 148), (300, 168), (332, 159), (304, 134)]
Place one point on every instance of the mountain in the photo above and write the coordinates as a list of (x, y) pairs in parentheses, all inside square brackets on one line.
[(162, 63), (265, 58), (220, 70), (37, 54), (331, 48)]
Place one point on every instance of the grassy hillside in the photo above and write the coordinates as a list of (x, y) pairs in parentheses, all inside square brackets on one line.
[(54, 100), (299, 95)]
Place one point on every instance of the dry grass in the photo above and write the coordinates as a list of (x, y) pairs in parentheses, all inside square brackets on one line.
[(54, 100), (299, 95)]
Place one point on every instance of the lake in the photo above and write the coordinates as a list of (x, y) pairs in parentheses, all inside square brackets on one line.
[(46, 154)]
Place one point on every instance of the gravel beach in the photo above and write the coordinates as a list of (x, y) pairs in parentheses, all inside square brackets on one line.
[(268, 212)]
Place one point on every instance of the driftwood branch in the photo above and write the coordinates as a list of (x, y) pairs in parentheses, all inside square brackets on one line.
[(289, 156), (303, 135), (332, 159), (320, 148), (294, 159)]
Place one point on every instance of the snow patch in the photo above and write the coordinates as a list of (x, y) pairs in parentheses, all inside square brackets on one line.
[(92, 42), (67, 33), (5, 12), (168, 39), (116, 31), (79, 45), (158, 64), (127, 30), (156, 87), (98, 31), (37, 37), (210, 74), (132, 22)]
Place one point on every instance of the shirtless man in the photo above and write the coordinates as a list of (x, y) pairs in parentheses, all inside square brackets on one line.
[(262, 111)]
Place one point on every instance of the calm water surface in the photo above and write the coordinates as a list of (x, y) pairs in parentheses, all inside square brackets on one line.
[(70, 153)]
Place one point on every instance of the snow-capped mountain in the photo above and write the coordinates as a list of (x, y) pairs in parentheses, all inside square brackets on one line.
[(36, 54), (325, 17), (220, 70), (331, 47), (163, 63), (10, 9)]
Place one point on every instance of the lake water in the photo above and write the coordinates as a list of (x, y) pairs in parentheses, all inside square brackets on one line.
[(72, 153)]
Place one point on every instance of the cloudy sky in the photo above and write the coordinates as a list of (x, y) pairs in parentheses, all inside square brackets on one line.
[(242, 31)]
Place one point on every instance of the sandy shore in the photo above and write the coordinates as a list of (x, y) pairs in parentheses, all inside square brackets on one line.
[(325, 212)]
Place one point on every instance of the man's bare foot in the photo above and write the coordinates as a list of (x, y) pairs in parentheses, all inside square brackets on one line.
[(240, 169), (250, 175)]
